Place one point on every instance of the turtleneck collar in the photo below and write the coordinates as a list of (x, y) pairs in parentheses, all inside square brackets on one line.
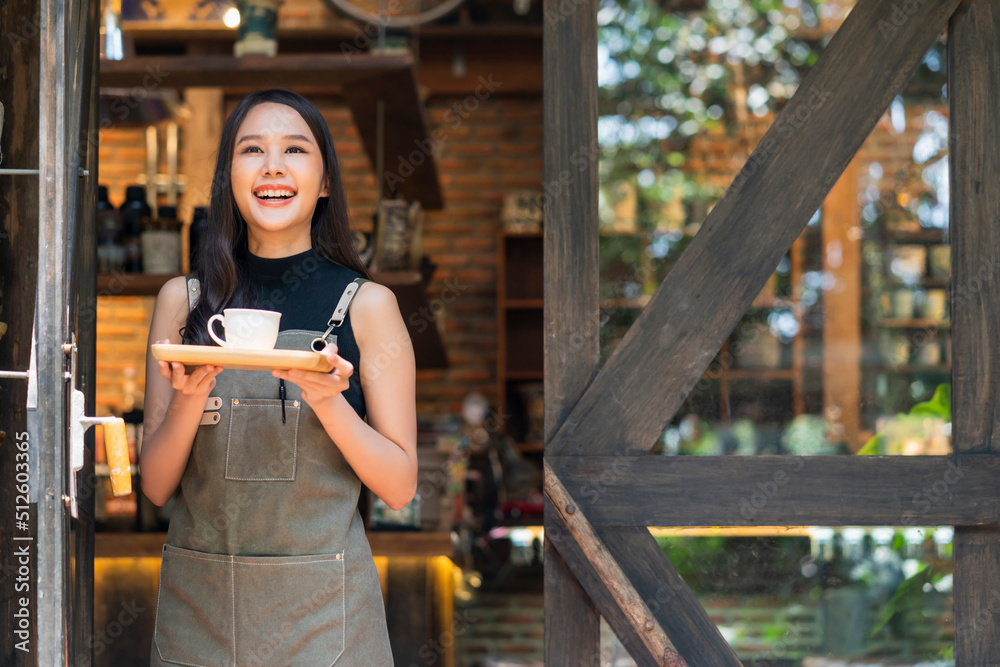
[(269, 271)]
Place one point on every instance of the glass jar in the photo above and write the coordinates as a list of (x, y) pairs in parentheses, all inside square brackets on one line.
[(161, 243)]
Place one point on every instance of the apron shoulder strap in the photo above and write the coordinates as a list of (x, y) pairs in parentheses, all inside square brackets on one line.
[(340, 312), (193, 291)]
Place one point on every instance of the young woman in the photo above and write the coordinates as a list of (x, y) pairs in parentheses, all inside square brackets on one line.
[(266, 561)]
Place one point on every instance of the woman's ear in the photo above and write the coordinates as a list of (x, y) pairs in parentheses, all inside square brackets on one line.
[(325, 190)]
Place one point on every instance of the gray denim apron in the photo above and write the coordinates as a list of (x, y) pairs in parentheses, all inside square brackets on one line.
[(266, 562)]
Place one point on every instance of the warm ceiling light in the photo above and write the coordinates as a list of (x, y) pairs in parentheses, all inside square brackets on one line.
[(231, 18)]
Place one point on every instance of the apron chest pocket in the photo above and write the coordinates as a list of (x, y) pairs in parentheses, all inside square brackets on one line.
[(260, 448), (251, 611)]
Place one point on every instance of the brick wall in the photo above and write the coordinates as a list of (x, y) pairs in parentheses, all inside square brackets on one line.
[(121, 158), (497, 147), (762, 629), (510, 626), (122, 331)]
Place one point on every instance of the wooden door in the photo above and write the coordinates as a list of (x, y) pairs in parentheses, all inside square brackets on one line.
[(58, 541), (603, 489)]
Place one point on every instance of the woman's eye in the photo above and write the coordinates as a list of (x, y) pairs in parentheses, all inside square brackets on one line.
[(296, 148), (250, 148), (257, 149)]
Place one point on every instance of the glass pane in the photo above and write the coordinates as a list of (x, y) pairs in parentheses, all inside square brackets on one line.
[(818, 597), (847, 348)]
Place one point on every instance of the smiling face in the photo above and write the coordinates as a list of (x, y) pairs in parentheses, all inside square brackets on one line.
[(277, 176)]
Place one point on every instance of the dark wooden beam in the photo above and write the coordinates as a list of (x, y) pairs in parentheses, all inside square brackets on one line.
[(974, 92), (782, 185), (408, 149), (572, 622), (784, 490), (977, 596), (515, 64), (571, 280), (223, 70)]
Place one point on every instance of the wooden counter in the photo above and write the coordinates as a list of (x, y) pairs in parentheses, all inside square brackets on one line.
[(385, 543), (415, 571)]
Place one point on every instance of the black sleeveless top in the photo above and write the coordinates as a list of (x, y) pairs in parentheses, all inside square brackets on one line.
[(305, 289)]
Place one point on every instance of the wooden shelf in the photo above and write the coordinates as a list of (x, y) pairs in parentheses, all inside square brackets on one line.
[(922, 236), (409, 287), (524, 303), (929, 281), (155, 31), (421, 544), (761, 374), (361, 78), (525, 375), (130, 284), (225, 71), (915, 324), (530, 447), (914, 368)]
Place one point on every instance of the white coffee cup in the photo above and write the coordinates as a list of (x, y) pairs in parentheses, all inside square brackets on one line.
[(246, 328)]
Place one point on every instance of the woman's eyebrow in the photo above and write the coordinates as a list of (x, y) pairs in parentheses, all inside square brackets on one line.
[(257, 137)]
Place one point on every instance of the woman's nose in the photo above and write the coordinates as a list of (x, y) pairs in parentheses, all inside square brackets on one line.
[(274, 164)]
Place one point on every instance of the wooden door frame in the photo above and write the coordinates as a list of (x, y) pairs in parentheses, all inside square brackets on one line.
[(603, 490)]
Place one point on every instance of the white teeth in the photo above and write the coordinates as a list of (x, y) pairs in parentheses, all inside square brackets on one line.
[(275, 193)]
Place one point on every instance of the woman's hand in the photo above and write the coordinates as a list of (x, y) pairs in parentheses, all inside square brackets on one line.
[(199, 383), (316, 386)]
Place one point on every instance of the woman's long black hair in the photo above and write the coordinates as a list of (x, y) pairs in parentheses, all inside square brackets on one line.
[(221, 266)]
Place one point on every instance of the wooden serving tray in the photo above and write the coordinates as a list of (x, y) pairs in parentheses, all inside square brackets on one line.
[(249, 360)]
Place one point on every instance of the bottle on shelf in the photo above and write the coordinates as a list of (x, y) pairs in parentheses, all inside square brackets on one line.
[(161, 243), (110, 252), (135, 214)]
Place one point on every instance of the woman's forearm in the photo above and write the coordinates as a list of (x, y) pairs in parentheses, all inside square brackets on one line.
[(165, 452), (382, 465)]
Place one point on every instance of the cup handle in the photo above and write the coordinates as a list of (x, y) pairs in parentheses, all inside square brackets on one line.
[(211, 328)]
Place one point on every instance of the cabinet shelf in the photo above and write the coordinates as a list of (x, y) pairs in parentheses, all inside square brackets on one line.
[(928, 281), (520, 337), (936, 236), (762, 374), (913, 368), (525, 374), (131, 284), (523, 303), (893, 323), (409, 288)]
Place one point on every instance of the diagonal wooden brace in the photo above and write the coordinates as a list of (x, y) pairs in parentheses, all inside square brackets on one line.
[(662, 623)]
